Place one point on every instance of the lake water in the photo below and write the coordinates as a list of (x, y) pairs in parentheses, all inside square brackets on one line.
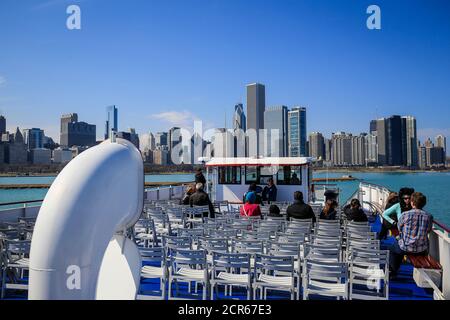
[(435, 185)]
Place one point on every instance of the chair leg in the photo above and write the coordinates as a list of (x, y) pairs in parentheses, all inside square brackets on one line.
[(205, 289), (212, 291), (3, 283)]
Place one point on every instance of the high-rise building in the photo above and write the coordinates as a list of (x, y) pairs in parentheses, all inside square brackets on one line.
[(382, 142), (316, 145), (359, 150), (2, 125), (341, 149), (409, 142), (395, 141), (131, 136), (327, 144), (161, 139), (41, 156), (239, 119), (111, 121), (160, 156), (373, 127), (34, 138), (74, 133), (441, 141), (222, 143), (256, 105), (275, 136), (297, 132), (371, 149), (16, 150)]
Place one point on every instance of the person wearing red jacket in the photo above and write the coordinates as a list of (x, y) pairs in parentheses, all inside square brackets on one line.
[(250, 208)]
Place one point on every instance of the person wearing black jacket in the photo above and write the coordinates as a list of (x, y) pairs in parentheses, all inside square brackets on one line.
[(201, 198), (299, 209), (199, 177), (353, 211)]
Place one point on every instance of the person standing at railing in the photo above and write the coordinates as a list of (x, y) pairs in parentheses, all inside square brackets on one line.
[(270, 191), (199, 177), (393, 213), (414, 226)]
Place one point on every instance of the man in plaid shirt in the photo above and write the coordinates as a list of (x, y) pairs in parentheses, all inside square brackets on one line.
[(414, 226)]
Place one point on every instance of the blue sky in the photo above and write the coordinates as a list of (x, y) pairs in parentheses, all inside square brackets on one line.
[(165, 62)]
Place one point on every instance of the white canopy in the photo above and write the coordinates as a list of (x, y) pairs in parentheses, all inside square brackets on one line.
[(263, 161)]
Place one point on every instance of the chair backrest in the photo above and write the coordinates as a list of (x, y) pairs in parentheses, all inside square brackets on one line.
[(273, 265), (213, 244), (319, 270), (226, 233), (330, 253), (275, 248), (231, 261), (247, 246), (153, 254), (362, 244), (326, 240), (256, 235), (175, 242), (194, 234), (361, 235), (290, 237), (369, 257), (17, 247), (188, 258)]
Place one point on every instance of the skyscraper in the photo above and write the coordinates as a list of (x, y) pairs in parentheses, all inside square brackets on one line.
[(382, 142), (160, 139), (316, 145), (239, 119), (256, 105), (2, 125), (359, 150), (74, 133), (34, 138), (341, 149), (441, 141), (111, 121), (131, 136), (297, 132), (409, 142), (395, 141), (275, 142)]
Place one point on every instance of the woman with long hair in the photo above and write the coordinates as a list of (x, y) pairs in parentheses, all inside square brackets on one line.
[(329, 211)]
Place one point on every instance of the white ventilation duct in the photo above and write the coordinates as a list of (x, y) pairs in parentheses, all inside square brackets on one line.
[(78, 250)]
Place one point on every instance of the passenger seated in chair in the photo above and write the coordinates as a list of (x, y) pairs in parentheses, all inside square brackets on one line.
[(329, 211), (250, 208), (189, 191), (270, 191), (354, 212), (299, 209), (414, 226), (392, 214), (255, 189), (274, 211), (201, 198)]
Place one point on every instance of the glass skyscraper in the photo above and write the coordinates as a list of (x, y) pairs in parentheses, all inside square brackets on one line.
[(111, 120), (297, 132), (276, 126)]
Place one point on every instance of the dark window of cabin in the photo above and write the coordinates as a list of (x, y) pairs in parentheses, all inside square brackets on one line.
[(229, 175), (289, 175), (252, 174)]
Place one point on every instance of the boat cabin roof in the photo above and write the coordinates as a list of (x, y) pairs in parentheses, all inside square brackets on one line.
[(263, 161)]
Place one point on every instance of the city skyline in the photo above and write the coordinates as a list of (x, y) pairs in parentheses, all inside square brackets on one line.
[(345, 66)]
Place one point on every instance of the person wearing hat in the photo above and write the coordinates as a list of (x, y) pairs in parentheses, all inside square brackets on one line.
[(250, 208)]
